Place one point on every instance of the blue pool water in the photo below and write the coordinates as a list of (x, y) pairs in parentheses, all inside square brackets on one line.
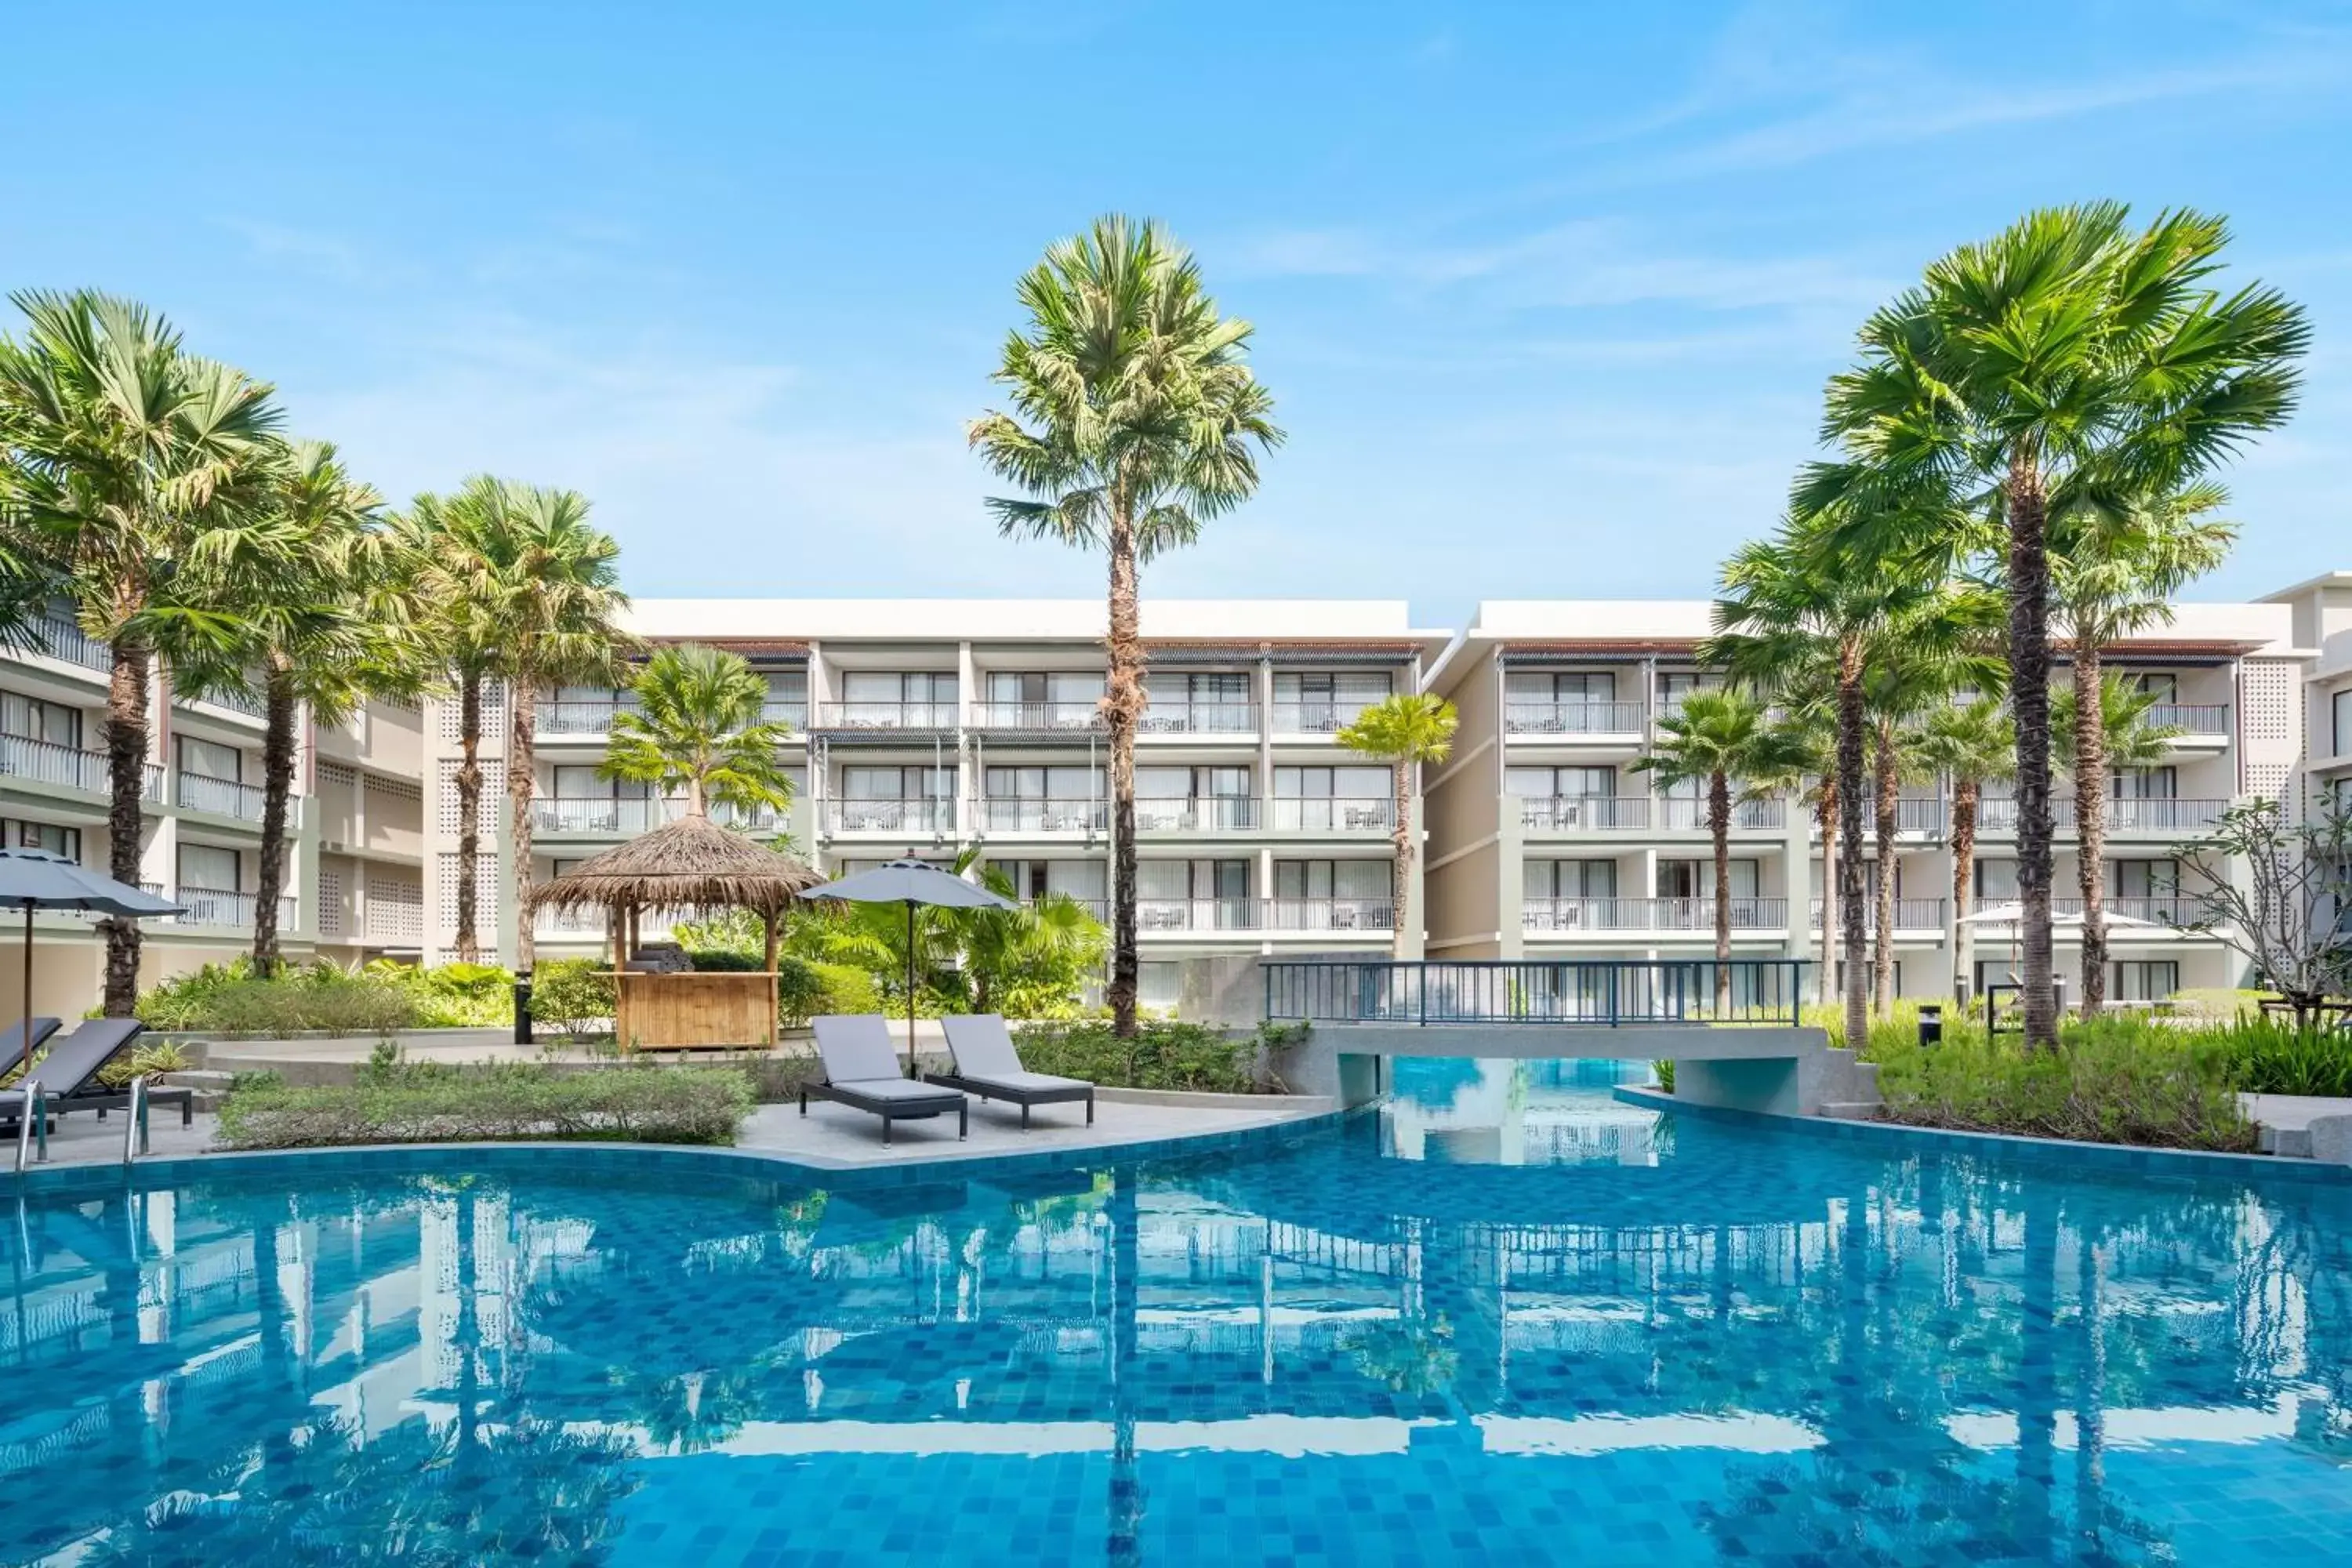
[(1506, 1319)]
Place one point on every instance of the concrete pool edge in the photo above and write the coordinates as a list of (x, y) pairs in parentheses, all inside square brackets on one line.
[(2073, 1153), (430, 1159)]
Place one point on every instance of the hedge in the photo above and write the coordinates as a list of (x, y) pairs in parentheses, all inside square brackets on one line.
[(645, 1105)]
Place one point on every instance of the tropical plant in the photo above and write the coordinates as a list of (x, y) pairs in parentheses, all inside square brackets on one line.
[(2069, 354), (2116, 564), (2286, 914), (131, 461), (1718, 739), (1800, 761), (1409, 731), (1135, 419), (1971, 744), (697, 727), (2129, 737)]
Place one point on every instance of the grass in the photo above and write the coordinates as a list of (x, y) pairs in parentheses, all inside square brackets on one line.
[(394, 1102)]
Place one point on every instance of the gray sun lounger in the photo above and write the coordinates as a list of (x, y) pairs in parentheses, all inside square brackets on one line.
[(12, 1041), (69, 1072), (861, 1071), (987, 1065)]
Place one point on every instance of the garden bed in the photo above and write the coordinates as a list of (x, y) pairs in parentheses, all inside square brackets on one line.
[(415, 1104)]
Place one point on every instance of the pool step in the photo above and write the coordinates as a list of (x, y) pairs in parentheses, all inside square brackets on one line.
[(1846, 1081)]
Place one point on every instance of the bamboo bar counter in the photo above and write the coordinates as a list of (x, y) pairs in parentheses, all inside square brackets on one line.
[(690, 1010)]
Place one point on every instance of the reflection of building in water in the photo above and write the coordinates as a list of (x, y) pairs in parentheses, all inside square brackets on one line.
[(1457, 1112)]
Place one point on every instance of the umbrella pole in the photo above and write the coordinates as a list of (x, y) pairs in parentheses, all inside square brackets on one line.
[(25, 1028), (911, 986)]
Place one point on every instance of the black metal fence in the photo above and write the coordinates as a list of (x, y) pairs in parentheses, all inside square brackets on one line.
[(1603, 993)]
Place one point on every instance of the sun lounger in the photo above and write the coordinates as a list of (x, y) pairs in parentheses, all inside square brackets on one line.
[(861, 1070), (12, 1041), (987, 1065), (69, 1072)]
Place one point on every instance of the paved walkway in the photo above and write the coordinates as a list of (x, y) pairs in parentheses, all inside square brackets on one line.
[(2292, 1112)]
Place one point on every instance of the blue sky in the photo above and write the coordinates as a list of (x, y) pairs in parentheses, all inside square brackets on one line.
[(1545, 293)]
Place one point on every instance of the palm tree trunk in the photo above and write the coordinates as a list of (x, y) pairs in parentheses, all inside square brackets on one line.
[(522, 746), (1122, 708), (1851, 910), (2091, 815), (467, 780), (1882, 948), (2029, 667), (1964, 860), (277, 786), (1719, 827), (1403, 873), (1826, 813), (126, 780)]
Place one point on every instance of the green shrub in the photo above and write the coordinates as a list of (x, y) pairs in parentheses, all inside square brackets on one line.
[(2271, 1055), (1664, 1071), (1162, 1056), (454, 995), (651, 1105), (143, 1061), (724, 960), (573, 994)]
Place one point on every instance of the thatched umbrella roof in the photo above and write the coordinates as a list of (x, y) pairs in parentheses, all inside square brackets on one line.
[(690, 864)]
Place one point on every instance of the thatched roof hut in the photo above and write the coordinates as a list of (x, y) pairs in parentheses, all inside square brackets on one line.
[(690, 864)]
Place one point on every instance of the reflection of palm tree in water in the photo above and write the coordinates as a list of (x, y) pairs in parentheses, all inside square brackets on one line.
[(1126, 1524), (1405, 1355)]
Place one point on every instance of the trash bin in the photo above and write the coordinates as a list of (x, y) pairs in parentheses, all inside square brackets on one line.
[(523, 1008), (1931, 1023)]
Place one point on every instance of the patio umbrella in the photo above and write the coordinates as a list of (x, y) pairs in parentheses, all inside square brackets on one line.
[(913, 883), (37, 879), (2014, 914)]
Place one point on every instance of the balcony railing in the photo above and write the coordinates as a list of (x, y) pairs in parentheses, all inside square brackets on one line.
[(1082, 717), (1910, 914), (1596, 991), (47, 763), (1000, 814), (2134, 814), (1651, 914), (2158, 910), (1569, 812), (569, 923), (1176, 716), (223, 797), (1681, 812), (1199, 813), (2205, 719), (889, 817), (1331, 813), (580, 716), (1330, 914), (1917, 815), (1573, 717), (1314, 718), (1264, 914), (212, 907), (886, 715), (592, 814), (62, 638)]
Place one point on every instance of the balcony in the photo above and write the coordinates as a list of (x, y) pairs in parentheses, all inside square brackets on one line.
[(1000, 815), (222, 797), (580, 716), (886, 716), (1368, 915), (592, 814), (1910, 914), (1330, 813), (62, 639), (1176, 716), (1918, 816), (569, 924), (1314, 718), (1681, 814), (212, 907), (2161, 910), (1074, 718), (2145, 813), (1579, 812), (889, 817), (1589, 718), (1651, 914), (1202, 813), (43, 762), (2195, 721)]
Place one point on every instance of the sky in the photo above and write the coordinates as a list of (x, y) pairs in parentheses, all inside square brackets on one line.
[(1545, 294)]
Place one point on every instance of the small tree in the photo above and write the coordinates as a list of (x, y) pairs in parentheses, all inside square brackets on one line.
[(1971, 745), (698, 728), (2290, 916), (1717, 738), (1405, 731)]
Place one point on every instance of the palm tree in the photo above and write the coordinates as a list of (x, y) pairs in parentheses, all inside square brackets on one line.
[(697, 727), (2069, 353), (1971, 744), (1800, 761), (1135, 419), (1408, 730), (1717, 738), (1036, 953), (132, 458), (2116, 565), (2130, 740)]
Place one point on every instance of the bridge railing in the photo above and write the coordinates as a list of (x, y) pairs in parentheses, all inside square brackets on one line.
[(1600, 993)]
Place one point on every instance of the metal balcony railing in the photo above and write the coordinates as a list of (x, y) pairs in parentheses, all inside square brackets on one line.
[(1681, 813), (1083, 717), (1176, 716), (1264, 914), (1199, 814), (1598, 991), (2156, 815), (1910, 914), (886, 715), (580, 715), (62, 638), (1330, 914), (1651, 914), (727, 813), (1570, 813), (1314, 718), (2158, 910), (889, 817), (1918, 814), (2204, 720), (1330, 813), (47, 762), (214, 907), (223, 797), (592, 814), (569, 923), (1573, 717), (1196, 914), (1002, 815), (152, 786)]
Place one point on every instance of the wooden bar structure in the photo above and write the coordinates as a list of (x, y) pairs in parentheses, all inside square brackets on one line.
[(693, 1010)]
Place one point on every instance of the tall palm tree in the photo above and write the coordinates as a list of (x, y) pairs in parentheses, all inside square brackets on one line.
[(697, 727), (1409, 731), (1972, 745), (2117, 562), (1135, 419), (1719, 739), (132, 458), (1800, 761), (2069, 352)]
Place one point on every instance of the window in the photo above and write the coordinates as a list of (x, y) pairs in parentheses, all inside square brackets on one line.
[(2146, 878), (1365, 880), (577, 781), (1176, 880), (1044, 783), (1696, 878), (2340, 712), (48, 836), (1564, 686), (1319, 701), (1191, 784), (211, 760), (2145, 980), (1570, 880), (2148, 783), (1081, 879), (1564, 783), (1674, 685), (885, 698), (33, 719), (1996, 881), (1079, 688), (2163, 688), (1331, 784), (208, 869), (897, 783), (1159, 985)]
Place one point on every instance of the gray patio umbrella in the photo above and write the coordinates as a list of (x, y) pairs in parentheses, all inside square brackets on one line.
[(37, 879), (913, 883)]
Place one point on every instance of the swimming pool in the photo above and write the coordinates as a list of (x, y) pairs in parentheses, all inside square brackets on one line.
[(1506, 1319)]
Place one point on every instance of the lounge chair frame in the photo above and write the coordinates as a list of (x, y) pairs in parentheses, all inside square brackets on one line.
[(896, 1109), (986, 1090)]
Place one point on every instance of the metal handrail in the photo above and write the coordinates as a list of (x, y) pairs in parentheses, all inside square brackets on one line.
[(134, 1123), (1593, 993), (32, 1124)]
